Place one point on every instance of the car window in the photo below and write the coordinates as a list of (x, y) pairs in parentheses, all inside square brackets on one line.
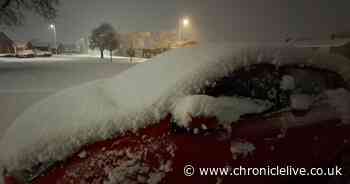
[(266, 82)]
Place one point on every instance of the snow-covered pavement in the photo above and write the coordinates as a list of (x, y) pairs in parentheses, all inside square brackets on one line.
[(25, 81), (85, 58)]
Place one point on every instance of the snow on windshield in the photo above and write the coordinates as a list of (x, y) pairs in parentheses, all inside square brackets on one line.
[(225, 109), (59, 125)]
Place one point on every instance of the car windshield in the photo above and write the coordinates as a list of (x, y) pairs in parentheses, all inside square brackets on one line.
[(275, 84)]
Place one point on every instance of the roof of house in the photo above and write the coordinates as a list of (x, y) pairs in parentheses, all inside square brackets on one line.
[(5, 38), (21, 43)]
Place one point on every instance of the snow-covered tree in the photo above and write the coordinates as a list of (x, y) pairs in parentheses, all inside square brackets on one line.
[(104, 37), (11, 11)]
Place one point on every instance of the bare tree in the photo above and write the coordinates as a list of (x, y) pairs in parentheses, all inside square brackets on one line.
[(131, 51), (113, 42), (104, 37), (11, 11)]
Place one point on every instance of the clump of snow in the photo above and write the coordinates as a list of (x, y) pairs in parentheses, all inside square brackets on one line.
[(301, 101), (148, 162), (204, 127), (82, 154), (340, 100), (287, 82), (225, 109), (196, 131), (124, 174), (132, 168), (59, 125), (241, 148)]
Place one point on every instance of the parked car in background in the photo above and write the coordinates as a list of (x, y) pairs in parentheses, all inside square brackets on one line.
[(28, 53), (40, 53)]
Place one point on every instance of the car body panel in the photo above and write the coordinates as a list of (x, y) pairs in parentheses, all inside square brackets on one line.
[(314, 145)]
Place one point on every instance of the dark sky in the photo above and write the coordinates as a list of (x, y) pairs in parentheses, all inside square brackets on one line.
[(236, 20)]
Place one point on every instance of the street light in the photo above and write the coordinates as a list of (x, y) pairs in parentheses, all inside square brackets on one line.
[(183, 23), (53, 28)]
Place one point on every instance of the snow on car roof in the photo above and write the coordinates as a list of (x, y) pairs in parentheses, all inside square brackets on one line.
[(322, 43), (59, 125)]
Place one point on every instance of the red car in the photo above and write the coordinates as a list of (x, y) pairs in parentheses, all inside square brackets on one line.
[(305, 125)]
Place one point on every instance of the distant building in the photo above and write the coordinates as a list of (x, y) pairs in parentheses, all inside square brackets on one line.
[(184, 44), (146, 44), (68, 49), (147, 40), (6, 44), (20, 46)]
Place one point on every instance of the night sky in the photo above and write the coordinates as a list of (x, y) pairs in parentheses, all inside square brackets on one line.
[(233, 20)]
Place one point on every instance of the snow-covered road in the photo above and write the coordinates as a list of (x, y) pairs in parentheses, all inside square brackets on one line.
[(25, 81)]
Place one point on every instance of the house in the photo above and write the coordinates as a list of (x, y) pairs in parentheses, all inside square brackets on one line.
[(6, 44), (23, 49), (184, 44), (146, 44), (22, 45)]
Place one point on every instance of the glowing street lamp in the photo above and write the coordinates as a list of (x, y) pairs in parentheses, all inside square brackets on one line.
[(53, 28), (183, 23)]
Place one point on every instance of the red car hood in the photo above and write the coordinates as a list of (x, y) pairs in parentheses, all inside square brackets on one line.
[(278, 140)]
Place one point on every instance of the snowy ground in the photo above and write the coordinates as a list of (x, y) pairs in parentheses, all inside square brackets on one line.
[(25, 81), (86, 58)]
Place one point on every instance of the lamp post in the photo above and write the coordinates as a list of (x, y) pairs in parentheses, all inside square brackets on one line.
[(53, 28), (183, 23)]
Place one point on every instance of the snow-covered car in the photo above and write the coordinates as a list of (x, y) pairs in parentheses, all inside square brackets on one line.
[(41, 53), (214, 106), (28, 53)]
